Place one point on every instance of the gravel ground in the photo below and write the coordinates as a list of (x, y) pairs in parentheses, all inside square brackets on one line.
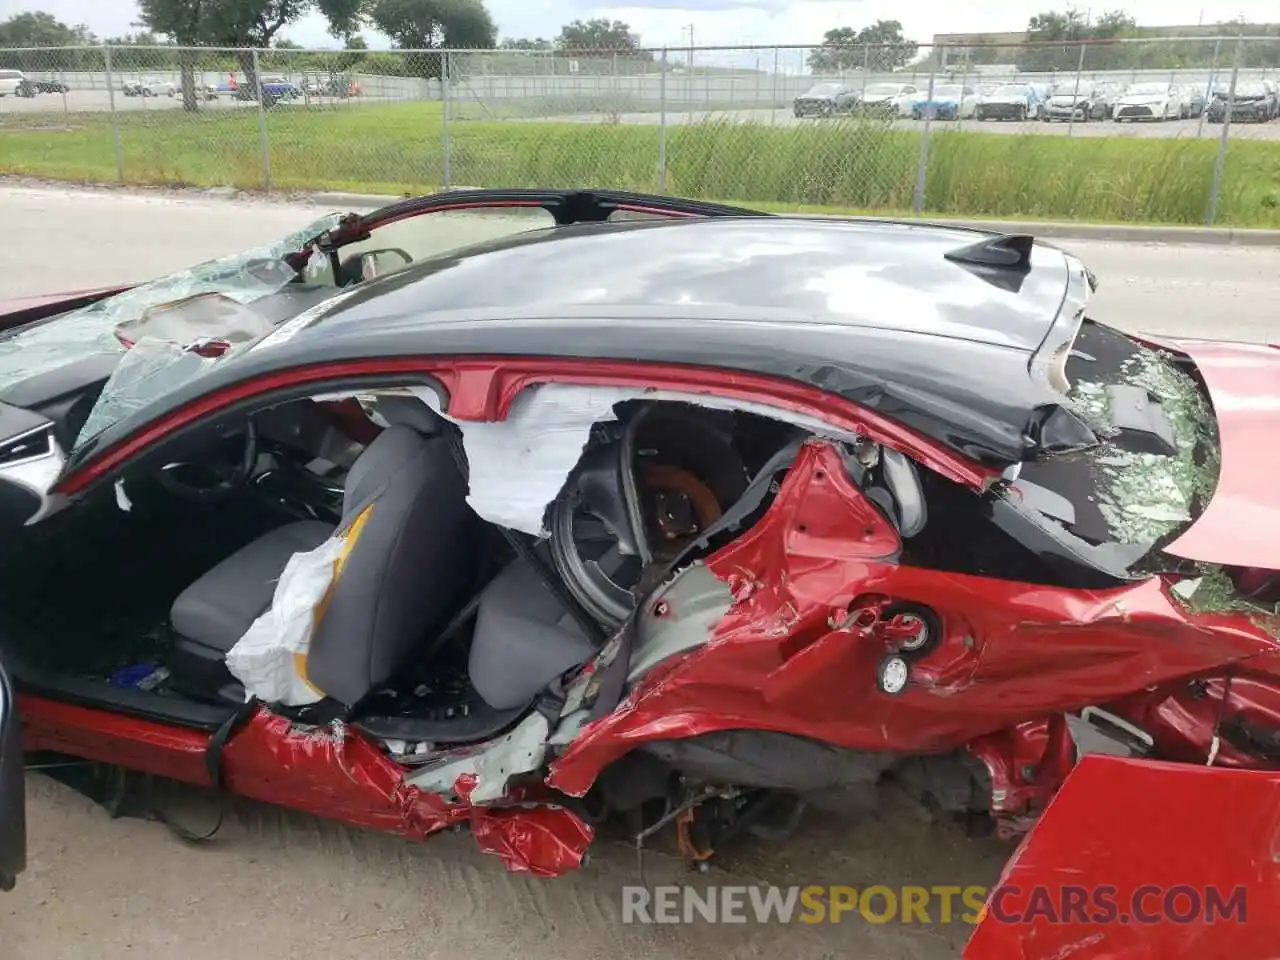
[(278, 884)]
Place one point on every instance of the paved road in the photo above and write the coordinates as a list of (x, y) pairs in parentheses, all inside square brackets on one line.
[(288, 886)]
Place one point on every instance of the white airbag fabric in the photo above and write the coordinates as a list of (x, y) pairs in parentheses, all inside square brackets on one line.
[(266, 659)]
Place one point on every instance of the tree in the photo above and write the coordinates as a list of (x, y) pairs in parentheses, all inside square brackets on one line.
[(1055, 39), (41, 30), (880, 46), (523, 44), (598, 38), (53, 37), (245, 24), (433, 24)]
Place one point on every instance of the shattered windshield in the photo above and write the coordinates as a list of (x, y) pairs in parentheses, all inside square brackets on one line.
[(106, 327), (1157, 462)]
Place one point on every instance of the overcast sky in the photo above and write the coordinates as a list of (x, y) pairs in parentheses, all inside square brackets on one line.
[(725, 22)]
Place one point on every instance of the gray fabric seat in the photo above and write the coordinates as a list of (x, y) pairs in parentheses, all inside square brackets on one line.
[(524, 639), (218, 608), (411, 566)]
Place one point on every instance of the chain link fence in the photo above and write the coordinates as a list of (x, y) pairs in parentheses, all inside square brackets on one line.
[(1168, 130)]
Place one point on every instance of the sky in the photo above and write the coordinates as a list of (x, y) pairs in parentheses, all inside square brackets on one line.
[(727, 22)]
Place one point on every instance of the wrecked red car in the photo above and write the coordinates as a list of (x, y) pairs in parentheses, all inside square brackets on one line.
[(632, 506)]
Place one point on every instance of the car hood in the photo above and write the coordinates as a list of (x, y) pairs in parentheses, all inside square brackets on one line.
[(1004, 98), (1066, 99), (1142, 98), (1240, 526), (1132, 833)]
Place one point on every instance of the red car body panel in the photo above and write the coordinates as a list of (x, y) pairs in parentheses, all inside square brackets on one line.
[(791, 654), (1139, 845), (332, 771), (1241, 525)]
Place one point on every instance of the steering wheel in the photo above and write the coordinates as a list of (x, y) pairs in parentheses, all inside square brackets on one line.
[(222, 474)]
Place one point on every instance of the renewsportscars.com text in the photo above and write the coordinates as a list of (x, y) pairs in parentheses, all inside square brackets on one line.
[(940, 904)]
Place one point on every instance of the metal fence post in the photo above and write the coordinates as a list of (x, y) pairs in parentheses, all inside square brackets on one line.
[(115, 117), (866, 70), (446, 173), (922, 170), (1075, 99), (1214, 191), (964, 80), (662, 123), (773, 103), (262, 123), (1209, 87)]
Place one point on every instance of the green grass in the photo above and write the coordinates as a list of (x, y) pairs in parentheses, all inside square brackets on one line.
[(840, 166)]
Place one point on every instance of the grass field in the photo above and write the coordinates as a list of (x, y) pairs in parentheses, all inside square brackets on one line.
[(399, 148)]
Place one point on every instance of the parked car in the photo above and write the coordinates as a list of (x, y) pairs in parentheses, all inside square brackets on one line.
[(1253, 103), (1195, 100), (886, 99), (16, 82), (1149, 101), (341, 86), (149, 87), (1067, 102), (1108, 93), (825, 100), (1013, 101), (280, 88), (457, 545), (1274, 87), (951, 101)]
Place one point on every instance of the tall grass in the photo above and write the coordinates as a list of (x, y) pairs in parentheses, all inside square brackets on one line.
[(862, 165)]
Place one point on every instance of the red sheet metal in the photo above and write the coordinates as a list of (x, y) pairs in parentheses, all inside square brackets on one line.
[(1241, 525), (330, 771), (781, 660), (1158, 860)]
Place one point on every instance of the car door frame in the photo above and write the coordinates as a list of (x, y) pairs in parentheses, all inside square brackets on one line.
[(13, 802)]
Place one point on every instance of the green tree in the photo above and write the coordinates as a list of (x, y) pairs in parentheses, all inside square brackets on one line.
[(599, 37), (524, 44), (44, 43), (432, 25), (1055, 38), (41, 30), (880, 46)]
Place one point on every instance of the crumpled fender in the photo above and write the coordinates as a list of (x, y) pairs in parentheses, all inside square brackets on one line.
[(1128, 833), (335, 771)]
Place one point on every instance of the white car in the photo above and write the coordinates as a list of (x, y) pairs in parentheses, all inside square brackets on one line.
[(887, 99), (150, 87), (1149, 101), (12, 81)]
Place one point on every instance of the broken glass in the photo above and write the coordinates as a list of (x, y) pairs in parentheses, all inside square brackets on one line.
[(1146, 497), (79, 334)]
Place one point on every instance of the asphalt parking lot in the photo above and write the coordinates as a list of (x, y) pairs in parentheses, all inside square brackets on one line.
[(99, 101), (288, 886)]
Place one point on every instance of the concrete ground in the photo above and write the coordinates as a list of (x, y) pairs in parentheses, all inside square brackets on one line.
[(276, 884)]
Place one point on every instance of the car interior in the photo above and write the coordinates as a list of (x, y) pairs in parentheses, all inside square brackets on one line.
[(437, 618)]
